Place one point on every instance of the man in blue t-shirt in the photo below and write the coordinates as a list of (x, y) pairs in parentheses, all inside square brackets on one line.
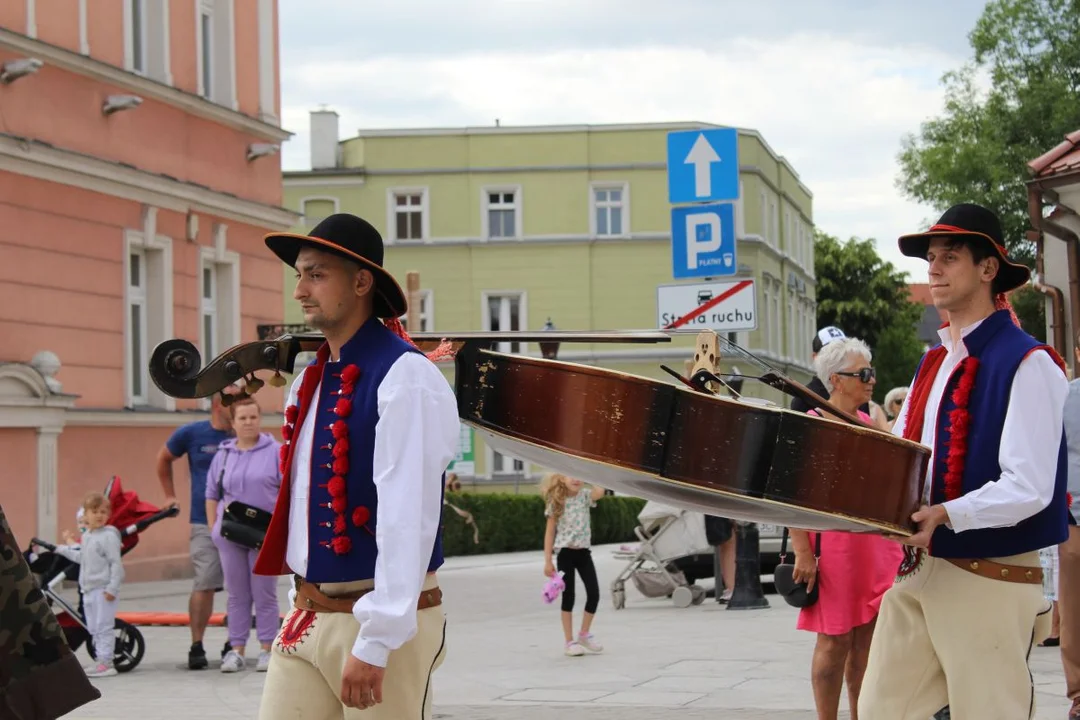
[(199, 441)]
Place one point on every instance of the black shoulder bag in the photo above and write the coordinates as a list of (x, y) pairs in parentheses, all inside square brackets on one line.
[(794, 593), (241, 523)]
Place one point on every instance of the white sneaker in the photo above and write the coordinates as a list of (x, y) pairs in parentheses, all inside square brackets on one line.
[(102, 670), (232, 662), (573, 649), (264, 661), (590, 643)]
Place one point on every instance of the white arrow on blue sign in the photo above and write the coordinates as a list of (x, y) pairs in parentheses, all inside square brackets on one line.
[(703, 241), (703, 165)]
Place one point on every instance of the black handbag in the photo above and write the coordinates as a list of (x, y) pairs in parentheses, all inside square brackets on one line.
[(783, 577), (241, 523)]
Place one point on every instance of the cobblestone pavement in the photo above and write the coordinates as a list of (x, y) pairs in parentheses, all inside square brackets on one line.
[(505, 658)]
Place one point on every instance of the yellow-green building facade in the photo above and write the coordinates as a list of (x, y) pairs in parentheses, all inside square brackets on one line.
[(510, 227)]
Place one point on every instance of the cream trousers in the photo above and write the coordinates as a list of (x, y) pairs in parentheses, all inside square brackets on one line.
[(946, 636), (308, 658)]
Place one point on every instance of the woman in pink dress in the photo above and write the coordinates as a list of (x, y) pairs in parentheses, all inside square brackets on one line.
[(854, 570)]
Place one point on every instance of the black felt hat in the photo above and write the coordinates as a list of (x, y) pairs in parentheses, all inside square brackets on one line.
[(972, 221), (353, 238)]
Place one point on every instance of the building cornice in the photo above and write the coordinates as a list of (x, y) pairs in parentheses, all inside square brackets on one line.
[(146, 88), (579, 128), (28, 157), (352, 177)]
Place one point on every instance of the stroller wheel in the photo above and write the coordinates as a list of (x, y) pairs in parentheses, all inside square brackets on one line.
[(618, 598), (682, 596), (130, 647), (698, 594)]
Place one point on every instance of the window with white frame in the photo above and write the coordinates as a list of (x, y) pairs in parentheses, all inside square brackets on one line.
[(426, 313), (609, 210), (219, 295), (502, 213), (766, 327), (774, 223), (764, 200), (505, 312), (206, 50), (146, 39), (790, 324), (138, 36), (148, 313), (208, 310), (408, 214), (789, 235), (777, 339), (138, 377), (506, 464), (216, 51)]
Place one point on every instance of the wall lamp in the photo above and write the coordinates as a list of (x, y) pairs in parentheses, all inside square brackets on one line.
[(116, 103), (12, 70), (258, 150)]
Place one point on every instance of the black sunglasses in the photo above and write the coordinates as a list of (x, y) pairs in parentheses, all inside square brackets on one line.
[(865, 375)]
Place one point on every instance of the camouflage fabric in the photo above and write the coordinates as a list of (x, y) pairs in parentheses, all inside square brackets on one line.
[(35, 658)]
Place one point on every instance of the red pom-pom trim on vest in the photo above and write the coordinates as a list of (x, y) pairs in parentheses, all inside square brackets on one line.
[(343, 407), (959, 424), (341, 544), (360, 516)]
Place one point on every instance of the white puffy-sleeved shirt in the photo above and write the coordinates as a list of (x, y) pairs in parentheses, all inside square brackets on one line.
[(1030, 440), (416, 437)]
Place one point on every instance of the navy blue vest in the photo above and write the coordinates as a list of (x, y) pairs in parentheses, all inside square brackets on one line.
[(999, 346), (373, 349)]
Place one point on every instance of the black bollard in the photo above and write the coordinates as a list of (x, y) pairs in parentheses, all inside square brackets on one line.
[(747, 594)]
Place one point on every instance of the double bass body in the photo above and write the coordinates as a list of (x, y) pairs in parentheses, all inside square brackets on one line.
[(711, 454)]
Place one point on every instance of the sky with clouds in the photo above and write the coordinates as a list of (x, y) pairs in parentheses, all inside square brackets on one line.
[(832, 85)]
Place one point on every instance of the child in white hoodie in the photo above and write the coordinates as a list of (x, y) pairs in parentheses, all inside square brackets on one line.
[(100, 574)]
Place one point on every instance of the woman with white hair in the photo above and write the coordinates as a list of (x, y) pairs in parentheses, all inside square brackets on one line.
[(894, 401), (853, 571)]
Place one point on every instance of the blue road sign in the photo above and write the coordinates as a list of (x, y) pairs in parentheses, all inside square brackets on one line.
[(703, 165), (703, 241)]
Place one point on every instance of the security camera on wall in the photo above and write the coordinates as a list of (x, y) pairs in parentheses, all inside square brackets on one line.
[(116, 103), (258, 150), (12, 70)]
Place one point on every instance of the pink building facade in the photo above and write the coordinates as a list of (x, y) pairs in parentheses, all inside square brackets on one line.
[(139, 171)]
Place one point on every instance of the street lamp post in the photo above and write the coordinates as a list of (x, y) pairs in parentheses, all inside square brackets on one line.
[(550, 350)]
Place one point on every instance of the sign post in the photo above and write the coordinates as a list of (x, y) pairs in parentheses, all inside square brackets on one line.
[(720, 306), (703, 178)]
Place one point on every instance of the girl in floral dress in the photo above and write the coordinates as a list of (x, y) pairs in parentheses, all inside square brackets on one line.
[(569, 536)]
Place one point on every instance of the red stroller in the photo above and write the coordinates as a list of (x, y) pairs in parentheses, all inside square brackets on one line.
[(130, 516)]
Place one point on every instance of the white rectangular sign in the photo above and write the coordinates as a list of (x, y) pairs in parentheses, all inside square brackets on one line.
[(721, 306)]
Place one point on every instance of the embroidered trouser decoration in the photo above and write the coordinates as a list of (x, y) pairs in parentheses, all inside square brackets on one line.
[(308, 657), (951, 636)]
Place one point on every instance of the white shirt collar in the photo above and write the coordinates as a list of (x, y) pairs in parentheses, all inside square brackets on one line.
[(946, 336)]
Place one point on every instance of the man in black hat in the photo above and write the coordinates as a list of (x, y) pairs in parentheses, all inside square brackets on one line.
[(967, 606), (370, 428)]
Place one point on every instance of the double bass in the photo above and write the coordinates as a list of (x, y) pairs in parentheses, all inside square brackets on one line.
[(679, 444)]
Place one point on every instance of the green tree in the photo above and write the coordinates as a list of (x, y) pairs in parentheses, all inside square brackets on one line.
[(978, 149), (868, 298)]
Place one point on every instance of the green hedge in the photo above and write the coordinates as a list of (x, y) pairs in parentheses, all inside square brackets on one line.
[(512, 523)]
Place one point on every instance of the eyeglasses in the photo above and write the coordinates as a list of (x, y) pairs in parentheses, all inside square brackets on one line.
[(865, 374)]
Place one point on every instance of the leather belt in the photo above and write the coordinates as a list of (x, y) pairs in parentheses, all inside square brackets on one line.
[(998, 571), (309, 597)]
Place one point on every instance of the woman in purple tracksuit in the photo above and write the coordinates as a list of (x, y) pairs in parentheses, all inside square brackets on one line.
[(245, 469)]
